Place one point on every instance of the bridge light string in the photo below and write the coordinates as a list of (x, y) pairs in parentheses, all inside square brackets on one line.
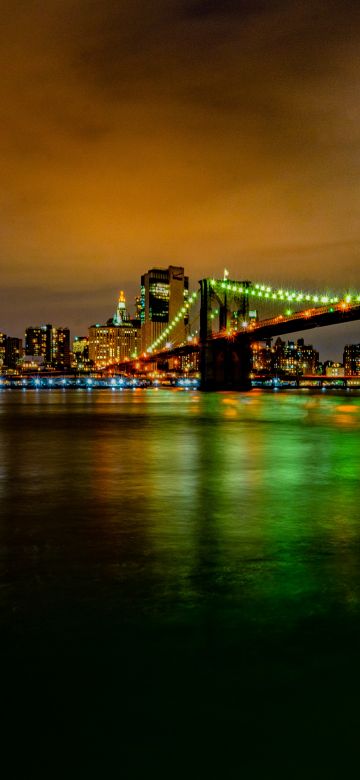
[(260, 291), (180, 314), (279, 295)]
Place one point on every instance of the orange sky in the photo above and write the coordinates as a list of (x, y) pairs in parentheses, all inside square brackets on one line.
[(207, 134)]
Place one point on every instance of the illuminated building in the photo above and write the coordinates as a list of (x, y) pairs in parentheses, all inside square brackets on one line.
[(307, 357), (38, 342), (13, 351), (80, 351), (121, 314), (61, 348), (2, 348), (351, 359), (112, 343), (32, 363), (334, 369), (116, 341), (294, 359), (289, 359), (190, 363), (49, 343), (163, 291), (262, 357), (138, 307)]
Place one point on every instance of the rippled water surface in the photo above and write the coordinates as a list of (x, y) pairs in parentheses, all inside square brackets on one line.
[(180, 575)]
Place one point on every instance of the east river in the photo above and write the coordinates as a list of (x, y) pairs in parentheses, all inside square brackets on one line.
[(180, 582)]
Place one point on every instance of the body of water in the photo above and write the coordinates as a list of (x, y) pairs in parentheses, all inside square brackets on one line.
[(180, 582)]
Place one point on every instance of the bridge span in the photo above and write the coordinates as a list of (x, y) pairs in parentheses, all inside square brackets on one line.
[(225, 358), (225, 353)]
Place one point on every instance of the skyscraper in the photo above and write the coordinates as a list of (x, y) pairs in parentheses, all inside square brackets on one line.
[(61, 348), (295, 359), (2, 348), (13, 351), (116, 341), (80, 350), (163, 291), (38, 342), (50, 343), (121, 315), (352, 359)]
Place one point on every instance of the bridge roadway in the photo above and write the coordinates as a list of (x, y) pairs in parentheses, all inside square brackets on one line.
[(304, 320)]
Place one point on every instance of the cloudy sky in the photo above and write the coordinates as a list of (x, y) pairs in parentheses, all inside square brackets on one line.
[(207, 134)]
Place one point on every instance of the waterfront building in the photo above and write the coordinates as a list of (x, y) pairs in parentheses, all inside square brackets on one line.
[(163, 292), (190, 364), (116, 341), (52, 344), (13, 351), (262, 357), (61, 348), (294, 358), (39, 342), (307, 356), (112, 343), (288, 360), (32, 363), (80, 353), (2, 348), (351, 359), (334, 369)]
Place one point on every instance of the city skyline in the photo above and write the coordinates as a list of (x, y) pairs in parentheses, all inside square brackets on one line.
[(130, 343), (202, 134), (329, 341)]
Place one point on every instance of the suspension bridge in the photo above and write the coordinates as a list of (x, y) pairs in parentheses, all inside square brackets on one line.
[(227, 313)]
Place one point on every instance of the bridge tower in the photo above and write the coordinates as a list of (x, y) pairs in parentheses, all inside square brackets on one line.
[(225, 361)]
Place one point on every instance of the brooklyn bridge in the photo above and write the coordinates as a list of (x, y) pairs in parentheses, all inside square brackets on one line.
[(232, 316)]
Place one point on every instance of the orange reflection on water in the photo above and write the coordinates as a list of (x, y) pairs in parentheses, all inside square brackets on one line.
[(346, 421), (230, 413)]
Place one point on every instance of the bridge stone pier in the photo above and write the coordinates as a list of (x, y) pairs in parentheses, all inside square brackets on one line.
[(225, 364)]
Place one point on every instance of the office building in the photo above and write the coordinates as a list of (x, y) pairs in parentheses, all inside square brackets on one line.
[(13, 351), (117, 341), (294, 358), (334, 369), (163, 291), (2, 348), (80, 353), (121, 314), (351, 359), (51, 344), (307, 357), (39, 342), (61, 348), (138, 307), (262, 357)]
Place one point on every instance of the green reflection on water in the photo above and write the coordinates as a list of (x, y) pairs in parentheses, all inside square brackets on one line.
[(203, 550)]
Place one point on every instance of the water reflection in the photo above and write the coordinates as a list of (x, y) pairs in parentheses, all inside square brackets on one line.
[(189, 543), (249, 503)]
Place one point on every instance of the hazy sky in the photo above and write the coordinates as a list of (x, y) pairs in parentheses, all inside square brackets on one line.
[(207, 134)]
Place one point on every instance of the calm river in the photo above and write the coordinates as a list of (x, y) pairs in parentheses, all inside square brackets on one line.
[(180, 581)]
